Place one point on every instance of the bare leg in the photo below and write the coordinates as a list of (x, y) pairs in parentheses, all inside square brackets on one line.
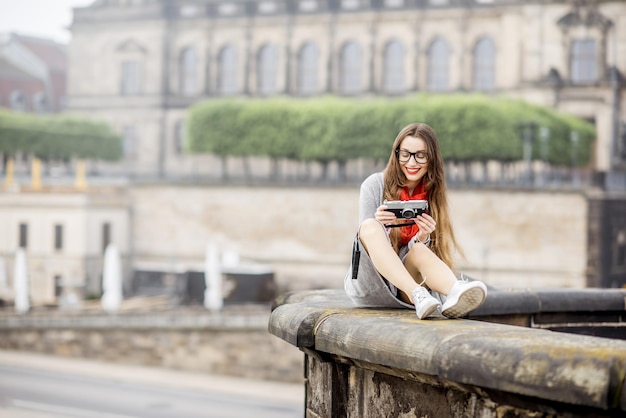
[(435, 272), (374, 238)]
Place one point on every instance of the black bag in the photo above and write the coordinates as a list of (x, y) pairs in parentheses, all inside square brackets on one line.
[(356, 255)]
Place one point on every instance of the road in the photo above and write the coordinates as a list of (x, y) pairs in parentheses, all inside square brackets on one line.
[(37, 386)]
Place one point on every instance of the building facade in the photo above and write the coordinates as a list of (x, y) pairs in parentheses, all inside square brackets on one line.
[(32, 74), (139, 64), (64, 234)]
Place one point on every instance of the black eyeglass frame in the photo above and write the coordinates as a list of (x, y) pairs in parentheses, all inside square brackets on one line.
[(414, 155)]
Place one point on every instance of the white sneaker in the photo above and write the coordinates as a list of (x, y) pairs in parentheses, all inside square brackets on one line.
[(463, 298), (425, 303)]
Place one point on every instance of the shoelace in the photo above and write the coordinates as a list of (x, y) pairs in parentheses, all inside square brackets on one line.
[(419, 295)]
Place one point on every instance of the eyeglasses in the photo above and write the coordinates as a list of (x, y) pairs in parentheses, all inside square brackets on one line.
[(421, 157)]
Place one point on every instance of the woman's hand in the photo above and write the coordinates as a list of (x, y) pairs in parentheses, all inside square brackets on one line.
[(427, 225), (384, 216)]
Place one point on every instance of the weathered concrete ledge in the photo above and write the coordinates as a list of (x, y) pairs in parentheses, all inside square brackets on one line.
[(459, 367), (172, 320), (232, 342)]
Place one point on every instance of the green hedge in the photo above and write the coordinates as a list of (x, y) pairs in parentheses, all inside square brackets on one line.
[(469, 127), (57, 136)]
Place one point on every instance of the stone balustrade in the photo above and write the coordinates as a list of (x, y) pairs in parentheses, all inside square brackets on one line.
[(506, 360)]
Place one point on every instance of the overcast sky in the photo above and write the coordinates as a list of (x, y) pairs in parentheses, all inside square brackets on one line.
[(45, 18)]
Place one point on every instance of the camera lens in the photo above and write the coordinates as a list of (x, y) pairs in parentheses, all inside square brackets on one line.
[(408, 213)]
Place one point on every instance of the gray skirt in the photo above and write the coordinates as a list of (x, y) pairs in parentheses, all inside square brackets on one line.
[(368, 288)]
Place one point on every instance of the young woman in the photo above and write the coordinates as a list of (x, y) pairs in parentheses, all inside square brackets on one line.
[(409, 266)]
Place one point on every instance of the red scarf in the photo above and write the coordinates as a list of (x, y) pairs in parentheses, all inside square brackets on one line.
[(419, 193)]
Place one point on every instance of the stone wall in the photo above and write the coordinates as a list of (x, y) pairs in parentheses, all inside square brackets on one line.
[(229, 344), (510, 238)]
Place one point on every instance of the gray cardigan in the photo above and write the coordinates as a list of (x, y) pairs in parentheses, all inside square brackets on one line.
[(371, 196)]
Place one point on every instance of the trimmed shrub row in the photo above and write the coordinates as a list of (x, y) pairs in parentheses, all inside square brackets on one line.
[(57, 137), (469, 128)]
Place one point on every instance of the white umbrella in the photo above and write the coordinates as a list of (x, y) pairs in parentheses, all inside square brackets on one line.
[(213, 279), (20, 282), (111, 280)]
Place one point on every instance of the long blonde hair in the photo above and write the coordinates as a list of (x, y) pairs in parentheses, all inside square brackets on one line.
[(443, 242)]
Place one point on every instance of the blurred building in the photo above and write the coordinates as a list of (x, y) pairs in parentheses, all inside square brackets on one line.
[(33, 74), (140, 64), (64, 234)]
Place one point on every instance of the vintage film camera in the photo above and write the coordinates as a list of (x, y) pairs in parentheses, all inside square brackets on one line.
[(407, 209)]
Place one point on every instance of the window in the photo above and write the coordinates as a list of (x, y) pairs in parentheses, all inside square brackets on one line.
[(227, 9), (131, 77), (350, 4), (179, 137), (350, 69), (307, 69), (393, 68), (17, 101), (40, 102), (23, 236), (58, 237), (189, 10), (129, 145), (583, 61), (106, 235), (484, 65), (266, 70), (267, 7), (307, 5), (437, 73), (227, 71), (392, 4), (58, 286), (188, 75)]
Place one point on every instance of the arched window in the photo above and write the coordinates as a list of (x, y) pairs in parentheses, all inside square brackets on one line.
[(484, 65), (188, 75), (350, 69), (17, 101), (393, 68), (266, 70), (307, 69), (40, 102), (437, 75), (583, 61), (227, 71)]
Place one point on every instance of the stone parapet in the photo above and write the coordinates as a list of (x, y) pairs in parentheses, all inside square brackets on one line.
[(232, 342), (142, 321), (376, 360)]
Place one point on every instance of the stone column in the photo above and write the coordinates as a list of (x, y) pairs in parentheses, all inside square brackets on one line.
[(331, 54), (288, 58), (248, 58), (372, 64)]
